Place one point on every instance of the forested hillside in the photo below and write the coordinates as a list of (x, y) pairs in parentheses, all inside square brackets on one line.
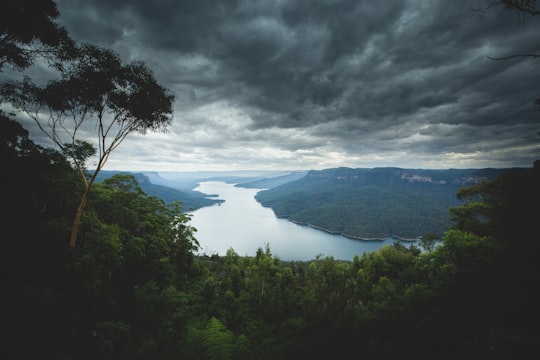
[(374, 203), (191, 200)]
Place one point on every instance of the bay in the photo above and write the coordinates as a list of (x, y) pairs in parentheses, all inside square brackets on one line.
[(243, 224)]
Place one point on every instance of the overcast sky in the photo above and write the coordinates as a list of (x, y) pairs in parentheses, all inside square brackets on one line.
[(313, 84)]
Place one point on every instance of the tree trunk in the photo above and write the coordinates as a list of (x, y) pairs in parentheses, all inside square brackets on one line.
[(77, 221), (88, 184)]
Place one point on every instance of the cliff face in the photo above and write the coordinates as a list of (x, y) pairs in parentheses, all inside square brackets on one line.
[(393, 175)]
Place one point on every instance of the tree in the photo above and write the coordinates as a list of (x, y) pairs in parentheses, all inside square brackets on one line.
[(427, 242), (95, 92), (491, 255), (28, 28), (217, 340), (37, 191)]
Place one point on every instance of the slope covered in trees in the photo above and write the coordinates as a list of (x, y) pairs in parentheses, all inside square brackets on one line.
[(374, 203), (191, 200)]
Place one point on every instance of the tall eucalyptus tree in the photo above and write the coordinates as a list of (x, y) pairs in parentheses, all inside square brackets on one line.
[(96, 102)]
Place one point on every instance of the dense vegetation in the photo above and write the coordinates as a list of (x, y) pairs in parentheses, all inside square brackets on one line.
[(374, 203), (132, 288), (191, 200)]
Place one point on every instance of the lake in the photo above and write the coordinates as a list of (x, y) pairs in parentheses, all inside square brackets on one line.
[(243, 224)]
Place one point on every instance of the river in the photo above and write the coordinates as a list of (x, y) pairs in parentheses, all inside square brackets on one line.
[(243, 224)]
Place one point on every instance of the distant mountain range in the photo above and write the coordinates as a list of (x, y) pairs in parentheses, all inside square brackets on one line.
[(179, 186), (365, 203), (270, 183), (374, 203)]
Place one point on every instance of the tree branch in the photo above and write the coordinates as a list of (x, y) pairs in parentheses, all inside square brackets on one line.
[(526, 6), (514, 56)]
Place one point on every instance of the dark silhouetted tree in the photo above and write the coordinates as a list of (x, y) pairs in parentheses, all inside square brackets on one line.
[(28, 30), (96, 93)]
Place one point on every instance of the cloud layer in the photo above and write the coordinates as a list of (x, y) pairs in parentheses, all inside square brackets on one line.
[(310, 84)]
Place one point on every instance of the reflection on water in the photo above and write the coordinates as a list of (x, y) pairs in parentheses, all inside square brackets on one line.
[(241, 223)]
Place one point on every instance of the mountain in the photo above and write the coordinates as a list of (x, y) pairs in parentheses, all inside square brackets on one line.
[(272, 182), (374, 203)]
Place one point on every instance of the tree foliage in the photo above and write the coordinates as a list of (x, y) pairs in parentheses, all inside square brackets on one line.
[(96, 91), (28, 30)]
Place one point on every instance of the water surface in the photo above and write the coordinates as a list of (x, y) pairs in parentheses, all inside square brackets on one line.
[(241, 223)]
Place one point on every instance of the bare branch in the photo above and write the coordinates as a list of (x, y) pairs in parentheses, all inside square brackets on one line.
[(524, 6), (514, 56)]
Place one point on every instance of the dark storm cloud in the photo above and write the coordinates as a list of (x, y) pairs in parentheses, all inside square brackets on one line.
[(339, 72)]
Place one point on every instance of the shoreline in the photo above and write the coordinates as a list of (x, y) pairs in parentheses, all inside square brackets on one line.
[(333, 232)]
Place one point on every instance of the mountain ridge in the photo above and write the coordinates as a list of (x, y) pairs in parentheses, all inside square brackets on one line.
[(374, 203), (360, 203)]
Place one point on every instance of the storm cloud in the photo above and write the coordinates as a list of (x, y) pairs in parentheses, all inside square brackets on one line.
[(312, 84)]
